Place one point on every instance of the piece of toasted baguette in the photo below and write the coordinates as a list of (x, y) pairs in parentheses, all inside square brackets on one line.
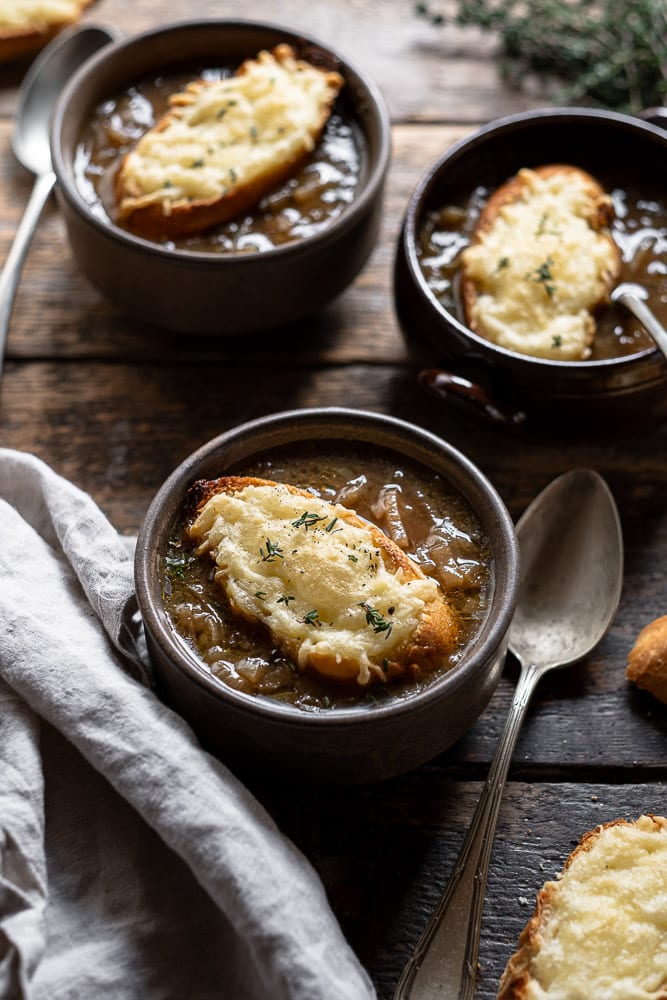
[(224, 144), (600, 931), (647, 660), (540, 262), (28, 25), (337, 595)]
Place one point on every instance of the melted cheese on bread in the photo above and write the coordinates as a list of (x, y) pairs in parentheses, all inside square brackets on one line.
[(224, 144), (27, 25), (336, 594), (540, 262), (601, 930)]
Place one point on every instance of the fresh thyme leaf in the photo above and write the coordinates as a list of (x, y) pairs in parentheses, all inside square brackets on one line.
[(353, 558), (285, 599), (312, 618), (307, 520), (331, 526), (260, 594), (503, 263), (273, 552), (557, 341), (375, 620), (177, 565), (544, 276)]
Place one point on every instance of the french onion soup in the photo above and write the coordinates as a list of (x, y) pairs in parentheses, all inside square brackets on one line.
[(530, 265), (327, 578)]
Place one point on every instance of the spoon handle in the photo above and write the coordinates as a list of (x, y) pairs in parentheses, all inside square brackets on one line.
[(646, 317), (11, 272), (444, 963)]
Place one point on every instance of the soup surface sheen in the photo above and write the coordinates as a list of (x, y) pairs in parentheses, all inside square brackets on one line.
[(639, 229), (412, 505), (316, 195)]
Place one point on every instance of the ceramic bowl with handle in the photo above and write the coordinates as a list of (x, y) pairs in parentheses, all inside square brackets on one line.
[(627, 155)]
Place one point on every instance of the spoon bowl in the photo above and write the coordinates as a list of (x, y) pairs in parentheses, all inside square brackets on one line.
[(30, 142), (571, 550)]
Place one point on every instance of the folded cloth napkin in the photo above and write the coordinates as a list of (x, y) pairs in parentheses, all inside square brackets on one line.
[(132, 863)]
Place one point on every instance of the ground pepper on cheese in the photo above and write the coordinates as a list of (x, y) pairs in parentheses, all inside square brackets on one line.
[(317, 581), (541, 268), (225, 135)]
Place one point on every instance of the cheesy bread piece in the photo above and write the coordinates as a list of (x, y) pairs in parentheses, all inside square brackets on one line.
[(540, 262), (647, 660), (336, 594), (224, 144), (28, 25), (601, 929)]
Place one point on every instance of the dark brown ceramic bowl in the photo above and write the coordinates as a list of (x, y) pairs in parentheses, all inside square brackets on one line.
[(344, 745), (210, 292), (619, 150)]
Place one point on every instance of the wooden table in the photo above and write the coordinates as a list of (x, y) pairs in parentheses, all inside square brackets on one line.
[(114, 406)]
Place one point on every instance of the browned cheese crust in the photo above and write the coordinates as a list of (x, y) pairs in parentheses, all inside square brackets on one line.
[(512, 190), (24, 41), (436, 636), (516, 977), (188, 218), (647, 660)]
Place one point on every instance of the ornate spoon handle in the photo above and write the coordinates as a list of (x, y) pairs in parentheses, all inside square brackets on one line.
[(444, 963)]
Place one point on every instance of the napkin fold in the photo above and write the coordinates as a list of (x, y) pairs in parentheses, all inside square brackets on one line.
[(132, 862)]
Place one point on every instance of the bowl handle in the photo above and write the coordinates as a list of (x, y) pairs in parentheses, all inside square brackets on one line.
[(469, 396), (654, 116)]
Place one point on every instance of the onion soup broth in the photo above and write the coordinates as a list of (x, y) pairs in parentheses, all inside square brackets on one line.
[(412, 505)]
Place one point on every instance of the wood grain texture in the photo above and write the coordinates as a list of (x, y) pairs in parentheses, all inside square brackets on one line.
[(385, 854), (409, 59)]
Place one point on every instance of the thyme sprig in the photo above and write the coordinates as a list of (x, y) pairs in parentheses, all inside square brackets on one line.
[(375, 620), (543, 275), (307, 520), (273, 551), (587, 51)]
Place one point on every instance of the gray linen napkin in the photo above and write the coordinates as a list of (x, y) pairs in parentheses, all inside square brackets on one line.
[(132, 863)]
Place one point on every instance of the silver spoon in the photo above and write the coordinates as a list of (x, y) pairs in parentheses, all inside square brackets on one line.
[(633, 297), (37, 98), (572, 568)]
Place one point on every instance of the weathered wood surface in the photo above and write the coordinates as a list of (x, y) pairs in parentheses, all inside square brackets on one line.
[(114, 406), (385, 854)]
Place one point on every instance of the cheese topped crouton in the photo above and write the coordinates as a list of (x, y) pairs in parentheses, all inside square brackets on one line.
[(541, 261), (601, 929), (27, 25), (336, 594), (224, 144)]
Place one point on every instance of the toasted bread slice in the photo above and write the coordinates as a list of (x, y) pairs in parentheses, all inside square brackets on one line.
[(28, 25), (336, 594), (601, 929), (647, 660), (541, 261), (224, 144)]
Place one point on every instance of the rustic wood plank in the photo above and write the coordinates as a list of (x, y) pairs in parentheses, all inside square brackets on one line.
[(385, 854), (411, 61)]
